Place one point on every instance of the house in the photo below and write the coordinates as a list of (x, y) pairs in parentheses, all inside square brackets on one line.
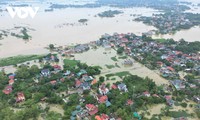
[(114, 86), (79, 113), (20, 97), (122, 87), (81, 72), (57, 68), (102, 117), (178, 84), (101, 98), (169, 100), (170, 68), (45, 72), (155, 95), (146, 94), (85, 86), (180, 118), (94, 82), (62, 79), (7, 90), (129, 102), (78, 83), (128, 62), (159, 63), (11, 82), (67, 73), (91, 108), (196, 99), (11, 76), (102, 89), (108, 103), (53, 82), (87, 78), (81, 48)]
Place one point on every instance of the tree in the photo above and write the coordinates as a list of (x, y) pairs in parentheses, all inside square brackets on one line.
[(184, 105), (120, 50), (90, 99), (101, 79), (34, 69), (189, 65), (102, 108), (53, 116), (51, 46), (23, 72)]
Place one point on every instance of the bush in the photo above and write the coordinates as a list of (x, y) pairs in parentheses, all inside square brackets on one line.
[(184, 105)]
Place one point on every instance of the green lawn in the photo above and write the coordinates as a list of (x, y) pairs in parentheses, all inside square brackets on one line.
[(18, 59), (72, 63)]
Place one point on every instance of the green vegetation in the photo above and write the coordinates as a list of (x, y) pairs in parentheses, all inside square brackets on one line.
[(110, 66), (177, 114), (109, 13), (122, 57), (177, 20), (191, 47), (51, 46), (18, 59), (71, 63), (119, 74), (83, 20), (122, 74), (114, 58), (120, 50), (162, 40), (24, 35)]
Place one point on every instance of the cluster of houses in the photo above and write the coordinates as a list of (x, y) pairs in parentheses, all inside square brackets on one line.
[(167, 23), (135, 46), (84, 82), (20, 97)]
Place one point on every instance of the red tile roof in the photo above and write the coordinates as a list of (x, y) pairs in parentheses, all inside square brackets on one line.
[(20, 97), (56, 67), (129, 102), (53, 82), (114, 86), (104, 117), (146, 93), (11, 77), (7, 90), (97, 117), (170, 68), (11, 81), (78, 83), (103, 99), (92, 109)]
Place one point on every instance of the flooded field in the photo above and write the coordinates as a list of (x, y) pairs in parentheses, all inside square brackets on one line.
[(102, 57)]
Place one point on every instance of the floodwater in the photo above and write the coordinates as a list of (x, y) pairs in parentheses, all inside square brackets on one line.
[(101, 57), (51, 27), (61, 27), (188, 35)]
